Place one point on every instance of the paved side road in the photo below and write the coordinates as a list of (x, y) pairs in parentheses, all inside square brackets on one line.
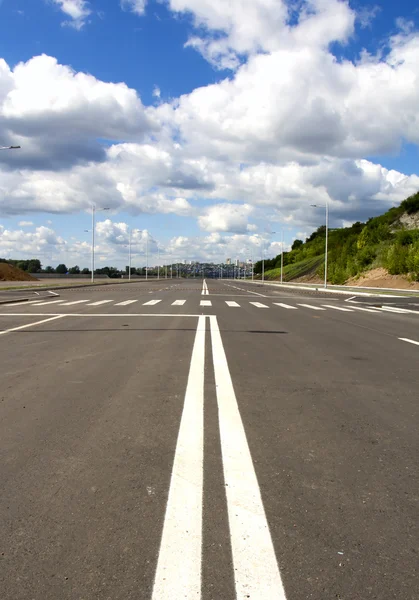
[(194, 440)]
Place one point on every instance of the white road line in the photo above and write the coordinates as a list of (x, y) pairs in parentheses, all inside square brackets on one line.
[(259, 305), (178, 573), (285, 305), (21, 303), (392, 309), (312, 307), (256, 571), (126, 302), (205, 291), (337, 307), (75, 302), (409, 341), (205, 303), (92, 315), (370, 310), (31, 324), (231, 303), (178, 302), (99, 303), (151, 302), (47, 302)]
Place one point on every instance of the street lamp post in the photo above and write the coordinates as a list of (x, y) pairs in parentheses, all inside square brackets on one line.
[(263, 258), (158, 261), (129, 264), (282, 252), (94, 210), (9, 147), (326, 206)]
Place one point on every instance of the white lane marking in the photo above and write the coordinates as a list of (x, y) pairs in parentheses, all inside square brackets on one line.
[(312, 307), (47, 302), (400, 311), (31, 324), (231, 303), (337, 307), (259, 305), (247, 291), (178, 573), (205, 303), (151, 302), (99, 303), (409, 341), (75, 302), (126, 302), (370, 310), (205, 291), (178, 302), (285, 305), (21, 303), (256, 571), (92, 315)]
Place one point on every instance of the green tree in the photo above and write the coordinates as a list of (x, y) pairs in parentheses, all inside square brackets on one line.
[(61, 269), (86, 271), (297, 244), (74, 270), (34, 265), (49, 269)]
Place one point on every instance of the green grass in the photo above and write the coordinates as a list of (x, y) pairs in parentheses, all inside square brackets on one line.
[(307, 266)]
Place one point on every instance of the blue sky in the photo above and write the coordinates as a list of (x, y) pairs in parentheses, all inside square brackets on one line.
[(224, 121)]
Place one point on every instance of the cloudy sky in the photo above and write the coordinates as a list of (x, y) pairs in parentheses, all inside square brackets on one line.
[(208, 125)]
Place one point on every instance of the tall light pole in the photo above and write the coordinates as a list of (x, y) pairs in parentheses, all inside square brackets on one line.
[(263, 257), (9, 147), (158, 261), (94, 210), (129, 264), (282, 252), (326, 206), (146, 256)]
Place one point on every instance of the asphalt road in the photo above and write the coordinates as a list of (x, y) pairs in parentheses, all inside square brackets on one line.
[(181, 440)]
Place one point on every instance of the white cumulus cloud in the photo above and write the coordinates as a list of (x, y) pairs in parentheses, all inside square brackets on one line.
[(77, 10), (135, 6)]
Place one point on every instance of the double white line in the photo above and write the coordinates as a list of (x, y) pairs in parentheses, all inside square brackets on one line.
[(178, 573), (205, 291)]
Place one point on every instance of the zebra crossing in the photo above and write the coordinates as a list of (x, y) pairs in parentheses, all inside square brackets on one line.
[(86, 302)]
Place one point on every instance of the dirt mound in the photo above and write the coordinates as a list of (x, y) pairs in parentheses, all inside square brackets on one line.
[(10, 273), (381, 278)]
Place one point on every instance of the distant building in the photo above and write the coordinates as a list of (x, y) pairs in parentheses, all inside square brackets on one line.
[(228, 261)]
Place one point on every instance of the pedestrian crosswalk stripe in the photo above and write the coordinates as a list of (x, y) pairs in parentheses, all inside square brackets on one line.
[(151, 302), (205, 303), (231, 303), (312, 307), (178, 302), (75, 302), (47, 302), (285, 305), (370, 310), (126, 302), (21, 303), (259, 305), (337, 308), (393, 309), (99, 303)]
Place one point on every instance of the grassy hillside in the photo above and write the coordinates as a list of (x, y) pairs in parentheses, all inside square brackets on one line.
[(305, 267), (390, 241)]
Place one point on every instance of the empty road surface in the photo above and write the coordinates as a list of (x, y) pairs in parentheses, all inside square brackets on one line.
[(181, 439)]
